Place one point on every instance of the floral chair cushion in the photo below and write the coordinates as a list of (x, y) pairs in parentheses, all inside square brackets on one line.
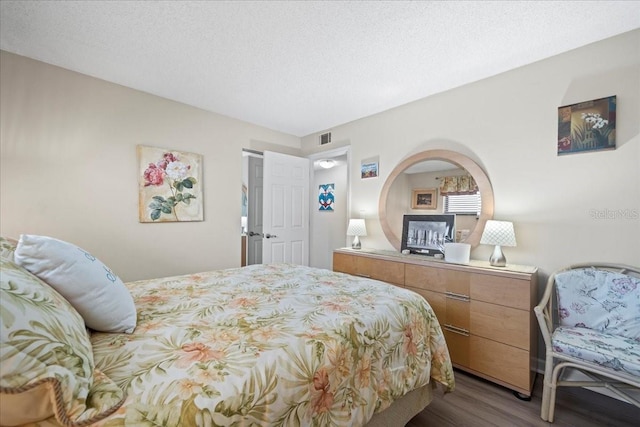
[(609, 351), (602, 300), (46, 357)]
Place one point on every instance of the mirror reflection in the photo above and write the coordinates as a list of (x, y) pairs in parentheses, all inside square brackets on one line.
[(437, 182), (424, 180)]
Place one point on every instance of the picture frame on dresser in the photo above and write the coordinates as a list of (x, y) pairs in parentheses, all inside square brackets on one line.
[(427, 234)]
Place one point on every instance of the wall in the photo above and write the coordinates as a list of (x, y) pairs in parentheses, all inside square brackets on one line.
[(565, 209), (69, 169)]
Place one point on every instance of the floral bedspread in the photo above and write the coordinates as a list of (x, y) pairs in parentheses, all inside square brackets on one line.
[(276, 345)]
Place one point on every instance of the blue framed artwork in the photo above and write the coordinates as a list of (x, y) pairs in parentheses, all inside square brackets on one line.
[(326, 199), (587, 126)]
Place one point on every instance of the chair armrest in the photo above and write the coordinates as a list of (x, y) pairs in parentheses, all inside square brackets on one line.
[(544, 312)]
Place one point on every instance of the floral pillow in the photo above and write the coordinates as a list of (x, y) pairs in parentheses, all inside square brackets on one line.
[(606, 301), (46, 357), (7, 248), (91, 287)]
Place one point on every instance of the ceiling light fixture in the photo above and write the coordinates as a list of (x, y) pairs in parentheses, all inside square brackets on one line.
[(326, 163)]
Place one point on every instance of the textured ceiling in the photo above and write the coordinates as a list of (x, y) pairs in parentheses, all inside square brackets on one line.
[(302, 67)]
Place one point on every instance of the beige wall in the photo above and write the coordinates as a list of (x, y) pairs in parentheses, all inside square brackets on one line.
[(69, 169), (508, 125)]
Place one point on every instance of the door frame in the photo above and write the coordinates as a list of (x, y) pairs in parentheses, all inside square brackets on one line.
[(327, 154), (254, 243)]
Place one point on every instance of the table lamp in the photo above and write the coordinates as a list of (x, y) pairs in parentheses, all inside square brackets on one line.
[(498, 233), (356, 228)]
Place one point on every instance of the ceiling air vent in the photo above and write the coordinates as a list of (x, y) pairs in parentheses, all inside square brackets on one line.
[(325, 138)]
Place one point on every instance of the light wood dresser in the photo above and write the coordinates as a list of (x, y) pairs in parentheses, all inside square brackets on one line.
[(486, 312)]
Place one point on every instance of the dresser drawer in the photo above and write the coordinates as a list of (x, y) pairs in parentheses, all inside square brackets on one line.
[(420, 277), (387, 271), (437, 279), (452, 310), (351, 264), (505, 291), (458, 345), (345, 263), (502, 324), (457, 314), (437, 302), (500, 361)]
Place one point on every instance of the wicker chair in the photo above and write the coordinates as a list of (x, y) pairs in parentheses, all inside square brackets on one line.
[(591, 325)]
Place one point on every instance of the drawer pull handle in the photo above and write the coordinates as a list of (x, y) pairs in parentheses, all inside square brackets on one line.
[(456, 330), (459, 297), (363, 275)]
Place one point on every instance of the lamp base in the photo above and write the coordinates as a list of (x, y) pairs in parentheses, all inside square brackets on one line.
[(356, 243), (497, 258)]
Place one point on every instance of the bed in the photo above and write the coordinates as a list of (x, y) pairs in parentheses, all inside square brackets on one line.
[(268, 345)]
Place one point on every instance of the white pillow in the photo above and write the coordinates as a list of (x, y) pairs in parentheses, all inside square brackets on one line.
[(92, 289)]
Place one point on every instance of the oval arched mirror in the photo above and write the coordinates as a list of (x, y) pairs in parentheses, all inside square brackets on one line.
[(423, 170)]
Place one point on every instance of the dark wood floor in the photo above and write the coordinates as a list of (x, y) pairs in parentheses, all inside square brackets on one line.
[(478, 403)]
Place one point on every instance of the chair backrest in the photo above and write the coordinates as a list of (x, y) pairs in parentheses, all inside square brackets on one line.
[(599, 299)]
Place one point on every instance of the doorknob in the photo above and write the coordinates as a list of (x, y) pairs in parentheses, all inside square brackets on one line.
[(270, 236), (253, 233)]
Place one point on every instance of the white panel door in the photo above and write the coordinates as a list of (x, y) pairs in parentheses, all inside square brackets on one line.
[(254, 218), (285, 209)]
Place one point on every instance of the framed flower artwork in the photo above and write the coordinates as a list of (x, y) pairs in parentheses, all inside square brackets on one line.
[(169, 185), (587, 126)]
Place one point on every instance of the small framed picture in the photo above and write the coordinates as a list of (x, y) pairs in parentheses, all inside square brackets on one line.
[(424, 198), (369, 168)]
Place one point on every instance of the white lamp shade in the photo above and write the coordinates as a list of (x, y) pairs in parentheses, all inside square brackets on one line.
[(498, 233), (356, 227)]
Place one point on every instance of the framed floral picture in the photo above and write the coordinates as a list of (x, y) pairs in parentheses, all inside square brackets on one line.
[(424, 198), (587, 126), (169, 185)]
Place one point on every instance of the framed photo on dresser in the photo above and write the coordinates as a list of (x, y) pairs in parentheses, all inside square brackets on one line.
[(427, 234)]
